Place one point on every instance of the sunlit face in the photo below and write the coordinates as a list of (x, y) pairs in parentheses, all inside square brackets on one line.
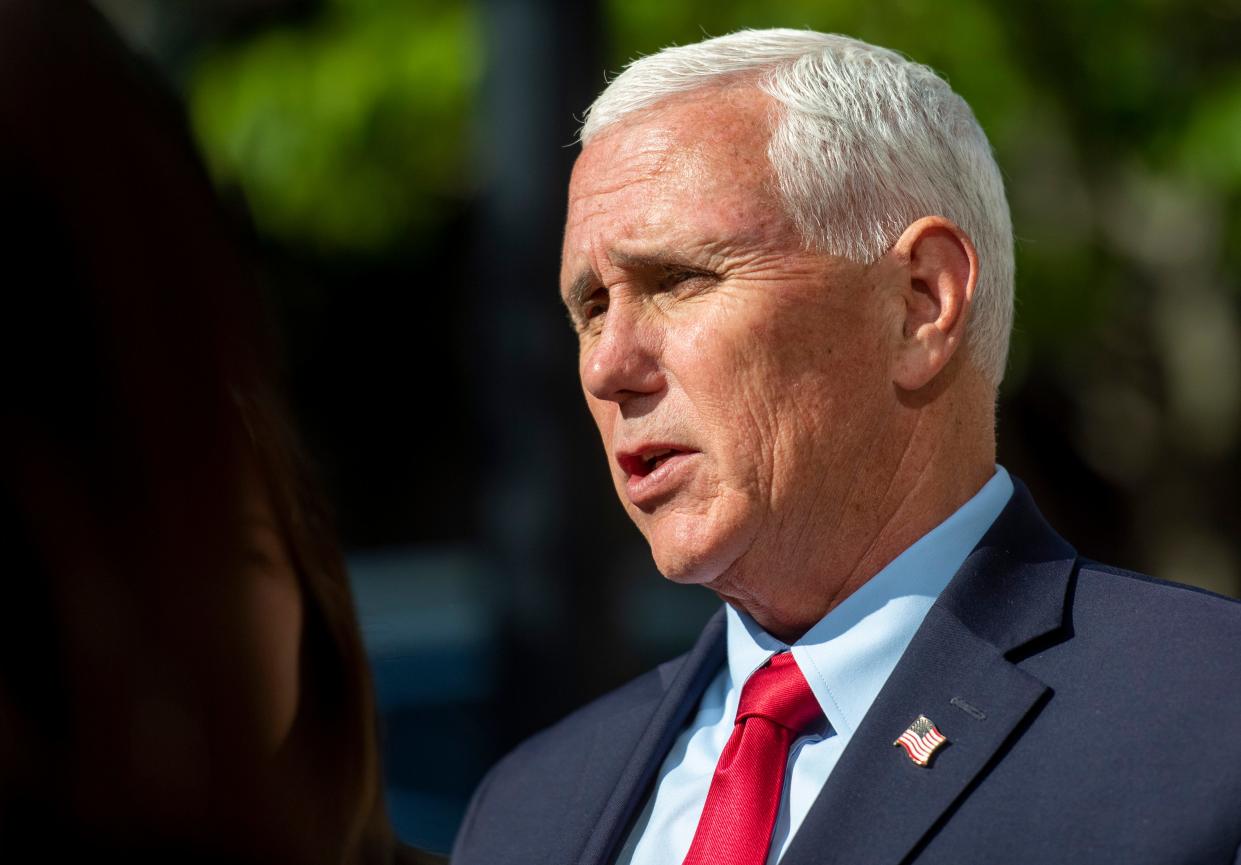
[(738, 381)]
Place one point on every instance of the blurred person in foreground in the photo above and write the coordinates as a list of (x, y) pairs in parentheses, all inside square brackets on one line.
[(788, 259), (181, 673)]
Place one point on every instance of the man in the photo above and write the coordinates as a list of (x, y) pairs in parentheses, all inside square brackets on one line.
[(788, 258)]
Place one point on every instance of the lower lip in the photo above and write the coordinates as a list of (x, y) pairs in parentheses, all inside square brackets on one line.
[(648, 489)]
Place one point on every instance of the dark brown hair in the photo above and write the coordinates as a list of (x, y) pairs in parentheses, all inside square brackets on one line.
[(333, 745), (137, 400)]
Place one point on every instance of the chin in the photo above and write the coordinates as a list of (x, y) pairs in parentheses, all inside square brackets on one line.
[(688, 555), (684, 570)]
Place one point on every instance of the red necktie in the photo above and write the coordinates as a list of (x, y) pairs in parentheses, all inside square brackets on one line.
[(776, 707)]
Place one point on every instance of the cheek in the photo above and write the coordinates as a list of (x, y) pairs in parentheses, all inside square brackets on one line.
[(791, 390), (736, 383), (274, 612)]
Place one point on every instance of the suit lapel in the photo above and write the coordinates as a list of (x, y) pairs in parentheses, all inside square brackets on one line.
[(663, 719), (878, 805)]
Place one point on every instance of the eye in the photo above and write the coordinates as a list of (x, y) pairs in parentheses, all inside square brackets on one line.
[(685, 280), (595, 305)]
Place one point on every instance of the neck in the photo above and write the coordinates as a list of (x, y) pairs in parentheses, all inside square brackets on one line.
[(935, 473)]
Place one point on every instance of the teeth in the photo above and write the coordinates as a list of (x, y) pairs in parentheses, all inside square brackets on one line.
[(655, 459)]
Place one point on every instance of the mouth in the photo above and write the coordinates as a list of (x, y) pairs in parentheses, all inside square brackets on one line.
[(654, 472), (643, 462)]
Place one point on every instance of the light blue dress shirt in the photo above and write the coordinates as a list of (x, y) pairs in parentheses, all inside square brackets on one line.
[(846, 658)]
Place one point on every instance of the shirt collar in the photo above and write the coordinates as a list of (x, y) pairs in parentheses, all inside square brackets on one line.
[(848, 655)]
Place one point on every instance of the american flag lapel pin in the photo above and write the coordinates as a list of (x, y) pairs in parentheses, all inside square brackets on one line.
[(920, 740)]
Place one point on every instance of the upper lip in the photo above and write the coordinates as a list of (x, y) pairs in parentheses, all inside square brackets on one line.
[(640, 459)]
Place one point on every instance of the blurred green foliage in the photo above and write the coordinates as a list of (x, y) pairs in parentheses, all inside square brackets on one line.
[(1117, 124), (346, 132), (1075, 96)]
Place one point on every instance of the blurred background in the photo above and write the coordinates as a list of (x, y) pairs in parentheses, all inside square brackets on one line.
[(400, 167)]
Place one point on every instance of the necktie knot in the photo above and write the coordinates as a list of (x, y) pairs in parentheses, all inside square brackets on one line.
[(740, 812), (778, 692)]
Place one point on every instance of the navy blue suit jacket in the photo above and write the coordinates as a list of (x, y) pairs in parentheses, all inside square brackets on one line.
[(1101, 723)]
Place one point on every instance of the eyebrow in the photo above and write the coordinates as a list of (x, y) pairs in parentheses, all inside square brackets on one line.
[(586, 283), (583, 286), (647, 261)]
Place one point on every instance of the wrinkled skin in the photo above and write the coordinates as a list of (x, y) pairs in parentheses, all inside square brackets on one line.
[(705, 324)]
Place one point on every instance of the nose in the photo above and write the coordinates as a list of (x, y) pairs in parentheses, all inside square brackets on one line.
[(623, 362)]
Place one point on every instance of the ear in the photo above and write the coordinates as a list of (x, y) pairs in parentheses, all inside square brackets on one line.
[(938, 269)]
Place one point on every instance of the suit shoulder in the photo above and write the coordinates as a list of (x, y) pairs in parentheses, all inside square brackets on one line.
[(571, 734), (1161, 631), (558, 777), (1133, 589)]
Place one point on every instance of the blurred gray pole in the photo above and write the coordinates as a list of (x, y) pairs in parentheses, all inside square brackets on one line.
[(542, 71)]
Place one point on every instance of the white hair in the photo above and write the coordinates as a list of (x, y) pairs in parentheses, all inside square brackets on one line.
[(864, 143)]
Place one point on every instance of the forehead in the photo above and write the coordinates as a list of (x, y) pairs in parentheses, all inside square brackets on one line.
[(693, 169)]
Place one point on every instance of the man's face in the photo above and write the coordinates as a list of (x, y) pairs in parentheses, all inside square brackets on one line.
[(740, 383)]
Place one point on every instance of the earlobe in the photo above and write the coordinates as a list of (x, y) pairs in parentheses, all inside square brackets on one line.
[(939, 273)]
